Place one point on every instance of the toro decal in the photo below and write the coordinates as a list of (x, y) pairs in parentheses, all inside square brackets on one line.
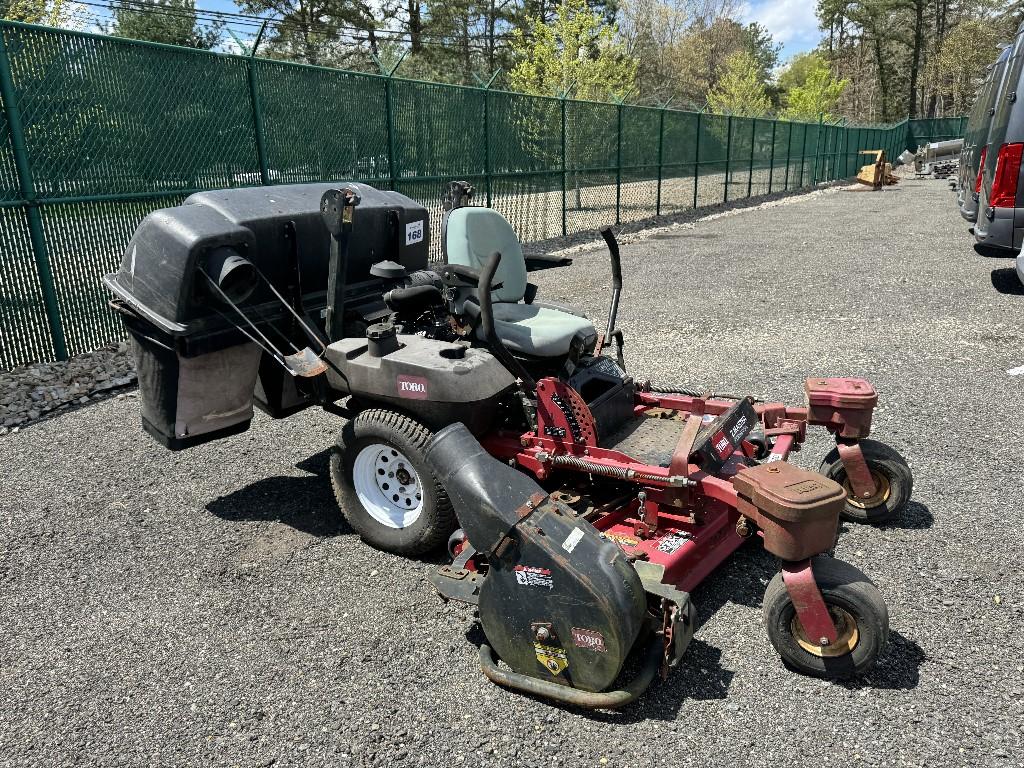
[(413, 387), (590, 639), (722, 445)]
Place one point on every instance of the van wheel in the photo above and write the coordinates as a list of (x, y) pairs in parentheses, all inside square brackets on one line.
[(383, 486)]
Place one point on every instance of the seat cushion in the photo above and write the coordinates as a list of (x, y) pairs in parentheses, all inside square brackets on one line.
[(527, 329), (473, 234)]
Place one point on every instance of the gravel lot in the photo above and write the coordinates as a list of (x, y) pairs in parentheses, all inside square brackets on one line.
[(209, 607)]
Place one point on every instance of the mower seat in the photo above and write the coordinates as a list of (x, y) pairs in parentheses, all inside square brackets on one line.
[(472, 236)]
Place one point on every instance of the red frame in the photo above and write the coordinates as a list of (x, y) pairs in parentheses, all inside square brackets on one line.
[(682, 518)]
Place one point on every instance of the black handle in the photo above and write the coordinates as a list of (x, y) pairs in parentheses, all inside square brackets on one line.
[(497, 346), (483, 292), (613, 249)]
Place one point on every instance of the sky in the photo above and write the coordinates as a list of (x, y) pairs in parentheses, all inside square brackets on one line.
[(791, 22)]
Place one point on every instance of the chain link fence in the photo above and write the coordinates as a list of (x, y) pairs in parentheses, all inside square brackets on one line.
[(96, 132)]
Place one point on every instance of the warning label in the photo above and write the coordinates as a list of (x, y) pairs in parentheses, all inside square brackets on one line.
[(531, 576), (669, 544)]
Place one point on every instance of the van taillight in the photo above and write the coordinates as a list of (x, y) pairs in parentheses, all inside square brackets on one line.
[(981, 170), (1004, 182)]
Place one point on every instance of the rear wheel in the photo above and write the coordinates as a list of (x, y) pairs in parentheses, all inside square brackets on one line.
[(858, 613), (894, 483), (383, 486)]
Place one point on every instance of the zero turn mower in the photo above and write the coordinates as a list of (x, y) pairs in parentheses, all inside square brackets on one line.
[(581, 506)]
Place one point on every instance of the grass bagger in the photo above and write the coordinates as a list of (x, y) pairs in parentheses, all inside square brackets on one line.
[(580, 506)]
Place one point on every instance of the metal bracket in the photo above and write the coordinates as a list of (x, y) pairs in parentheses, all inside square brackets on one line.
[(807, 600), (857, 471)]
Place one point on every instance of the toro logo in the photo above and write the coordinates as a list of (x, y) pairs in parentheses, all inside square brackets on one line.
[(412, 387), (722, 445)]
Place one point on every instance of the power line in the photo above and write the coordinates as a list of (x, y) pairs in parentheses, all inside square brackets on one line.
[(226, 18)]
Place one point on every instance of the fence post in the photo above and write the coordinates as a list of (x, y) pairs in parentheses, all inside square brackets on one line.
[(485, 88), (817, 146), (389, 107), (803, 157), (564, 230), (771, 161), (26, 187), (728, 156), (618, 164), (257, 109), (789, 156), (661, 154), (696, 161), (750, 171)]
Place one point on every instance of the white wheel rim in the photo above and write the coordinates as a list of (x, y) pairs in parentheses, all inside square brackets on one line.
[(387, 486)]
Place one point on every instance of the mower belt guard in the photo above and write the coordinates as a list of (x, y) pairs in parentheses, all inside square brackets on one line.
[(797, 510), (559, 603), (845, 405)]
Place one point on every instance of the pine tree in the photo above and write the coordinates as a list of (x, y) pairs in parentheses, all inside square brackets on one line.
[(163, 21)]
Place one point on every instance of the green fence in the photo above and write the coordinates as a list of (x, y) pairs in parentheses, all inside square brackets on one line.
[(927, 130), (96, 132)]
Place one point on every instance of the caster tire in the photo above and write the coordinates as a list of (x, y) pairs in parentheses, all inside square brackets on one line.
[(383, 486), (859, 613), (892, 477)]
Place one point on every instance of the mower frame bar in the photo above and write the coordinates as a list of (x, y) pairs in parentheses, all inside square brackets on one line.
[(574, 696)]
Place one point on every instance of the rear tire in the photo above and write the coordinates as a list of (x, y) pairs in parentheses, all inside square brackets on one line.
[(860, 615), (383, 486), (891, 474)]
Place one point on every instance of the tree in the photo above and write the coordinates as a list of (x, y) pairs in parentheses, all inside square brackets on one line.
[(960, 62), (817, 97), (798, 68), (709, 43), (741, 90), (577, 52), (163, 21), (32, 11), (652, 31), (339, 32)]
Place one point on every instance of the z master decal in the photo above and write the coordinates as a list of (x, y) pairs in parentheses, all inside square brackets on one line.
[(531, 576)]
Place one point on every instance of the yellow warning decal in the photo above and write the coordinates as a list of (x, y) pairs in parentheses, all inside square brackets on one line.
[(551, 658)]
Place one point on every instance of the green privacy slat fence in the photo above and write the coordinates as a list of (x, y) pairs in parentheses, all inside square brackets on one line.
[(96, 132)]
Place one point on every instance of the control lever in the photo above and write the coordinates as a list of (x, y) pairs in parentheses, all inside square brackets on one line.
[(613, 309)]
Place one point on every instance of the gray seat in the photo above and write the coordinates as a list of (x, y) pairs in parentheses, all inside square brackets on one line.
[(472, 236)]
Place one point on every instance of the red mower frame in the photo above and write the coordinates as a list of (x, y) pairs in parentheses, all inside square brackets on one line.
[(686, 521)]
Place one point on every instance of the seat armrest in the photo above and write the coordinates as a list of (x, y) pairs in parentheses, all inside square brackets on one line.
[(537, 263)]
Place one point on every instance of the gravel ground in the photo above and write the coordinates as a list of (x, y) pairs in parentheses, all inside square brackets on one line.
[(209, 608)]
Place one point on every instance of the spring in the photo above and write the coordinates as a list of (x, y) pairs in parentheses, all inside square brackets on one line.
[(583, 465), (575, 462)]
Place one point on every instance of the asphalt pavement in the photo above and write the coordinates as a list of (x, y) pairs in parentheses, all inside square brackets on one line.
[(210, 607)]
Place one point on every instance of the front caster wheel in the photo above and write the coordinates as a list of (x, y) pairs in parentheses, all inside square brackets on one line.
[(893, 483), (858, 612), (383, 486)]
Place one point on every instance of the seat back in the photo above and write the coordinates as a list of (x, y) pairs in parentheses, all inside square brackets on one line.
[(472, 236)]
